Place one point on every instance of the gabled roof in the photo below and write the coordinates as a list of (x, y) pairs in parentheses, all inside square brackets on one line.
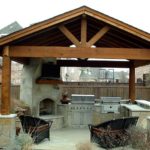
[(47, 33), (11, 28)]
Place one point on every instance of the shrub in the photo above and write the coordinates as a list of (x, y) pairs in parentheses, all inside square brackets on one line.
[(85, 146), (22, 142)]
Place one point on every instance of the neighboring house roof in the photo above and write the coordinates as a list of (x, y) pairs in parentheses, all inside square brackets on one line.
[(93, 16), (11, 28)]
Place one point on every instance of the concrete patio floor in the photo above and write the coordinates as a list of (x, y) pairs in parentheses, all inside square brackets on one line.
[(68, 139), (64, 139)]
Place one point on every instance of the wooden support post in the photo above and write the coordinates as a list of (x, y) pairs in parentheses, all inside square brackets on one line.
[(6, 83), (83, 31), (132, 82)]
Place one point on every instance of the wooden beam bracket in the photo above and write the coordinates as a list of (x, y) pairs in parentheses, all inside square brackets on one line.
[(98, 36), (69, 35)]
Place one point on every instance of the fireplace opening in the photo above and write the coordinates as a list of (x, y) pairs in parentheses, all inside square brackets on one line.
[(47, 107)]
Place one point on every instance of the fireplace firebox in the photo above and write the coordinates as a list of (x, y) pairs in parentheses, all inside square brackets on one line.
[(47, 107)]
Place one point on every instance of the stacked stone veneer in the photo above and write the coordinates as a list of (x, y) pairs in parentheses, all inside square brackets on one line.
[(31, 92), (7, 129)]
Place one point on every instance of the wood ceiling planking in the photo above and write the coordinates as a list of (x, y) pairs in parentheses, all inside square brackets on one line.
[(125, 38), (132, 37)]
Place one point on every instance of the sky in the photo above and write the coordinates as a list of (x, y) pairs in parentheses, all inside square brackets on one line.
[(27, 12)]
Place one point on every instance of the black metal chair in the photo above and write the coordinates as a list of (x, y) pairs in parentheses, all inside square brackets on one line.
[(39, 129), (112, 133)]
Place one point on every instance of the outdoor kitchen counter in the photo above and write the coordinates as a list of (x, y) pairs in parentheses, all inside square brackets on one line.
[(99, 117), (142, 111), (134, 107), (143, 103)]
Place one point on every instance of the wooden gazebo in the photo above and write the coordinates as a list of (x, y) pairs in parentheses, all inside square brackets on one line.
[(93, 34)]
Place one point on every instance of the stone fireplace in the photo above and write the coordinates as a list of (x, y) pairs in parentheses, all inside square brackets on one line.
[(42, 98), (47, 107)]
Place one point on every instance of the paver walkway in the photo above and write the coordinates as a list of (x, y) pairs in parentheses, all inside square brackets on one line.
[(64, 139), (68, 139)]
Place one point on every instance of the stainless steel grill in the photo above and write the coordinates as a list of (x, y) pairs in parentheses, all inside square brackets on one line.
[(110, 104), (80, 110), (82, 99)]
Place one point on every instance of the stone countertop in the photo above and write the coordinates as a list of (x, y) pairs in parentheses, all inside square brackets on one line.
[(50, 116), (135, 107), (144, 102), (63, 104)]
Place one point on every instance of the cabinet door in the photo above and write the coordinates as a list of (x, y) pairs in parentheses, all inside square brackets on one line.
[(81, 119), (75, 118), (86, 118), (80, 116)]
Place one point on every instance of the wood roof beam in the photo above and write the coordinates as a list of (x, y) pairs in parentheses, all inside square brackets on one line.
[(69, 35), (98, 36), (80, 52), (83, 63), (139, 63)]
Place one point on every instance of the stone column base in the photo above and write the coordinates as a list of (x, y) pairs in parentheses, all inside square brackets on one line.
[(7, 129)]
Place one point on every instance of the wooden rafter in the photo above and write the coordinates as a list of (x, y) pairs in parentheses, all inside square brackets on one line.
[(123, 40), (83, 31), (69, 35), (24, 61), (80, 52), (98, 36)]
